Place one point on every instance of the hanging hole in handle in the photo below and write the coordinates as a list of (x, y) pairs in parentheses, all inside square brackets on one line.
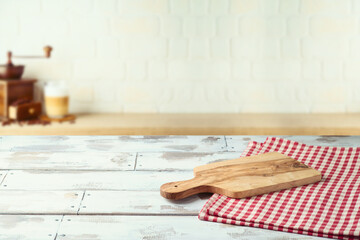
[(175, 186)]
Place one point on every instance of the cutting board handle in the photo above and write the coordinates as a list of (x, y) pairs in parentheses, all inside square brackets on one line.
[(183, 189)]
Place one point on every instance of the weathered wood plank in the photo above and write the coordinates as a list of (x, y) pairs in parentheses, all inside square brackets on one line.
[(239, 143), (112, 143), (2, 175), (43, 143), (40, 202), (64, 178), (170, 161), (160, 227), (89, 180), (139, 202), (25, 227), (67, 160)]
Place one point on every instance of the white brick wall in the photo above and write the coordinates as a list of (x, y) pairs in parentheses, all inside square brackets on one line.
[(192, 55)]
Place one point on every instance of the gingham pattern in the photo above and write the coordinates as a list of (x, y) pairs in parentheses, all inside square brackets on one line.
[(330, 208)]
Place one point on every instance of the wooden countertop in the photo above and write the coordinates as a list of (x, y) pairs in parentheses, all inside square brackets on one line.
[(197, 124), (107, 187)]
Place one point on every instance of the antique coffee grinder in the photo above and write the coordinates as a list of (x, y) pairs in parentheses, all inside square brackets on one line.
[(17, 94)]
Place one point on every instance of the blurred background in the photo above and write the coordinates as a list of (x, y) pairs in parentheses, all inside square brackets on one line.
[(191, 56)]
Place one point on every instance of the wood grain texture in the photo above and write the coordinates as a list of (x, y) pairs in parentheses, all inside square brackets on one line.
[(113, 144), (67, 161), (60, 164), (198, 124), (244, 177), (33, 180), (40, 202), (161, 228), (172, 161), (3, 174), (138, 203), (25, 227)]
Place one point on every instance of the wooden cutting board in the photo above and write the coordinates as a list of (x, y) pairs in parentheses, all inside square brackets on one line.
[(244, 177)]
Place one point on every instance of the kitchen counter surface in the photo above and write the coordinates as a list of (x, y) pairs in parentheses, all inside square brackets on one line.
[(107, 187), (197, 124)]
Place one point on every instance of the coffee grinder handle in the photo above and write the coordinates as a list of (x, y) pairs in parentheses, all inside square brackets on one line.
[(9, 55), (47, 54), (47, 51)]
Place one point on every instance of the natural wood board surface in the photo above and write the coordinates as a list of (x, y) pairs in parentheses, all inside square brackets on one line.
[(67, 118), (244, 177), (198, 124)]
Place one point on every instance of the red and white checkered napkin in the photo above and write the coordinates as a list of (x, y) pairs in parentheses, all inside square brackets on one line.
[(330, 208)]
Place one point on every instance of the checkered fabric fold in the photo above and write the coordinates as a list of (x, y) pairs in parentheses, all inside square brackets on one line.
[(330, 208)]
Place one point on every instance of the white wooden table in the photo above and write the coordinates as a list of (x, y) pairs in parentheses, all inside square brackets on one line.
[(107, 187)]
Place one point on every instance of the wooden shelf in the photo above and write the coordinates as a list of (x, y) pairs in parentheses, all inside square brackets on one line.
[(197, 124)]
